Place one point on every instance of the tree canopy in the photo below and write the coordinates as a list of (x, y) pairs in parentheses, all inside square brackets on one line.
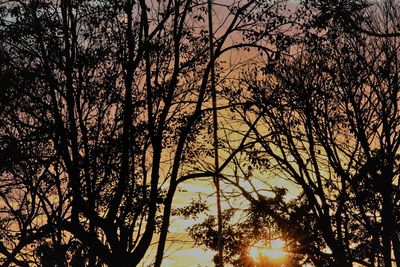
[(106, 108)]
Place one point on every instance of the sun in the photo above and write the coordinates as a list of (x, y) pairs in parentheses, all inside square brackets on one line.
[(276, 250)]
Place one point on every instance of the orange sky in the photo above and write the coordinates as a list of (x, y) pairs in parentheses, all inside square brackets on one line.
[(180, 249)]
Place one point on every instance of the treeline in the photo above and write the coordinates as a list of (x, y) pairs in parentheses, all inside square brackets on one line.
[(105, 110)]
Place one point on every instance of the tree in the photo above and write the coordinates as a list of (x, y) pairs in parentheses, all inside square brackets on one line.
[(356, 16), (324, 111), (333, 132), (102, 109), (240, 235)]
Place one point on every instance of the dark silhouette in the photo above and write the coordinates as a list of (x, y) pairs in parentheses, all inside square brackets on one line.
[(106, 105), (102, 107), (325, 114)]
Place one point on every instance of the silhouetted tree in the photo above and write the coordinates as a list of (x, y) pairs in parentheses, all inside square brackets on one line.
[(330, 125), (324, 111), (99, 120), (239, 237)]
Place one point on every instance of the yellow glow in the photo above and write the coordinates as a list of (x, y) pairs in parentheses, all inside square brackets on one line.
[(275, 251)]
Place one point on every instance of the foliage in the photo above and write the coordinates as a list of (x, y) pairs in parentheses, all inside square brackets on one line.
[(100, 120), (105, 111), (324, 113)]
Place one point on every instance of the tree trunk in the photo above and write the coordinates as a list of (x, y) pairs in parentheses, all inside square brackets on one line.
[(387, 221), (165, 225)]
